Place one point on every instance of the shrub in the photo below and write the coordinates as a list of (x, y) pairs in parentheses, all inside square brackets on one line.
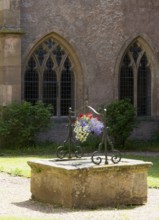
[(91, 144), (20, 123), (121, 120)]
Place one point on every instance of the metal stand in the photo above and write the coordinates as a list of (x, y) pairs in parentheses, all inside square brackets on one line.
[(97, 155), (69, 147)]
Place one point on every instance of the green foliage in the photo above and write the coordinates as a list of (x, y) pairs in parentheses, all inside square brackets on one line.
[(121, 119), (142, 145), (16, 172), (20, 123), (91, 144)]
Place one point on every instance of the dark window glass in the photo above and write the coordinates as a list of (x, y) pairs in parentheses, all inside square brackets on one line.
[(31, 83), (126, 80), (50, 86), (143, 85), (67, 88)]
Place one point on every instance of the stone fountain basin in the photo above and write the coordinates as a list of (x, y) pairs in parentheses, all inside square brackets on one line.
[(78, 183)]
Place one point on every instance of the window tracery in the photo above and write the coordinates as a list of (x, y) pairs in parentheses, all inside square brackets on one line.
[(49, 77), (135, 79)]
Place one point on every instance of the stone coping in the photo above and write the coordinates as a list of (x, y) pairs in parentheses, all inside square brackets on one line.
[(85, 163)]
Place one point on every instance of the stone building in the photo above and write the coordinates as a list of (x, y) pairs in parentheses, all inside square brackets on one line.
[(64, 52)]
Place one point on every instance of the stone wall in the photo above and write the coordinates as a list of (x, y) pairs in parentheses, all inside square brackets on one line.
[(145, 130), (90, 27), (98, 31)]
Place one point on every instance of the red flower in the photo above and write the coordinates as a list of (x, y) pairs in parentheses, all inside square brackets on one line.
[(89, 115), (81, 115)]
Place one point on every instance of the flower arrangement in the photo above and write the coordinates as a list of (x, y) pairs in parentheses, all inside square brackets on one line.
[(86, 124)]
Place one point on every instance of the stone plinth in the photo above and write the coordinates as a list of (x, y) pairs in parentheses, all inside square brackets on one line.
[(79, 183)]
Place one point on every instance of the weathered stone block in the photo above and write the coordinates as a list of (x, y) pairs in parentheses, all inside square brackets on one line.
[(12, 50), (6, 92), (81, 184), (10, 75), (10, 13), (9, 93)]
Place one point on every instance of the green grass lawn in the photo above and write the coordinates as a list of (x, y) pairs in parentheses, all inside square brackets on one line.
[(15, 163), (16, 166)]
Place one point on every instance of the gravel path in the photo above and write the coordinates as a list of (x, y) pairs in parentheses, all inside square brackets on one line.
[(15, 200)]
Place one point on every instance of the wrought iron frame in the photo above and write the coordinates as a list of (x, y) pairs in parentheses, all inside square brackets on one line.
[(97, 156), (72, 147)]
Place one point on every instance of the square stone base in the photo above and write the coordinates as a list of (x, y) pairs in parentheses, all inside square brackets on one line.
[(78, 183)]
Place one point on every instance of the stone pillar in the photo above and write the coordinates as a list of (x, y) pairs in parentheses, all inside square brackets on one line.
[(10, 51)]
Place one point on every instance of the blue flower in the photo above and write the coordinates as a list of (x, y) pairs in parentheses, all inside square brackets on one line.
[(86, 124), (96, 126)]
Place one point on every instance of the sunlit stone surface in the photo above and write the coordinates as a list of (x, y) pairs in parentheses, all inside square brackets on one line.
[(78, 183)]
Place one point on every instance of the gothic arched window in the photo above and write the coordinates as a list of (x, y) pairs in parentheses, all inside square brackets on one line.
[(135, 79), (49, 77)]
